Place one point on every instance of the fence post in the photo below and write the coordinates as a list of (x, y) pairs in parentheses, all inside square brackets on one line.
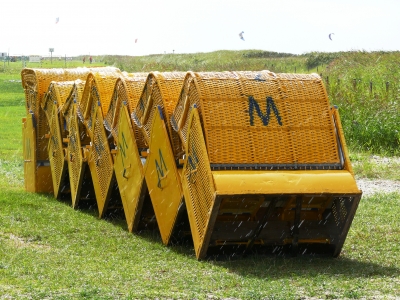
[(387, 86), (370, 86)]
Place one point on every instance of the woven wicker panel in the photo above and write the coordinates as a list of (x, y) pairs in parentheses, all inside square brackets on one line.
[(261, 118), (63, 90), (115, 106), (183, 107), (75, 96), (310, 119), (77, 139), (134, 89), (53, 99), (199, 195), (161, 89), (191, 95), (56, 96), (98, 91), (29, 84), (49, 102), (42, 128), (34, 86), (75, 159), (134, 83), (56, 152), (100, 154), (36, 83), (127, 91)]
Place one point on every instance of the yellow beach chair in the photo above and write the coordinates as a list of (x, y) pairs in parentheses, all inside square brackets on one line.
[(37, 171), (127, 144), (94, 104), (265, 162), (52, 104), (161, 169)]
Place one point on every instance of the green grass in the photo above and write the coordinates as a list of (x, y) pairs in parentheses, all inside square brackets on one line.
[(366, 165), (366, 86), (50, 251), (13, 68), (214, 61), (12, 109)]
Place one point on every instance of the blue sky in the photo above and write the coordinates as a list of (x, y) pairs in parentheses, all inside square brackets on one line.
[(163, 26)]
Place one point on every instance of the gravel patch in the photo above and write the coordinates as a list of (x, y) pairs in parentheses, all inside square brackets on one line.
[(372, 186)]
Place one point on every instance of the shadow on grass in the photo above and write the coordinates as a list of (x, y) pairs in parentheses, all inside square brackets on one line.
[(279, 262), (261, 262), (308, 265)]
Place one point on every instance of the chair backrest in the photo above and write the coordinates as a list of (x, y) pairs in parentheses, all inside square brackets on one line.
[(126, 92), (161, 89), (56, 96), (77, 138), (74, 96), (261, 120), (36, 83), (98, 92)]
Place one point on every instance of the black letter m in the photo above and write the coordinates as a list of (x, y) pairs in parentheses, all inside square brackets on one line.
[(264, 118)]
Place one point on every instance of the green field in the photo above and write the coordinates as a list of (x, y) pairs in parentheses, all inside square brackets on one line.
[(50, 251)]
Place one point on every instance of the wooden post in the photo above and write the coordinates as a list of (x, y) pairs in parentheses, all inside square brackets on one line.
[(387, 86), (370, 86)]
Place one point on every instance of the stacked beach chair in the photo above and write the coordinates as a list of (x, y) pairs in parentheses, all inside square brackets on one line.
[(225, 158)]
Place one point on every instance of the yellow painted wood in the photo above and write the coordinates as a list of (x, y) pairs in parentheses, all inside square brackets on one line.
[(284, 182), (242, 122), (37, 174), (128, 169), (56, 152), (100, 163), (198, 186), (53, 100), (162, 178), (29, 148), (75, 159)]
